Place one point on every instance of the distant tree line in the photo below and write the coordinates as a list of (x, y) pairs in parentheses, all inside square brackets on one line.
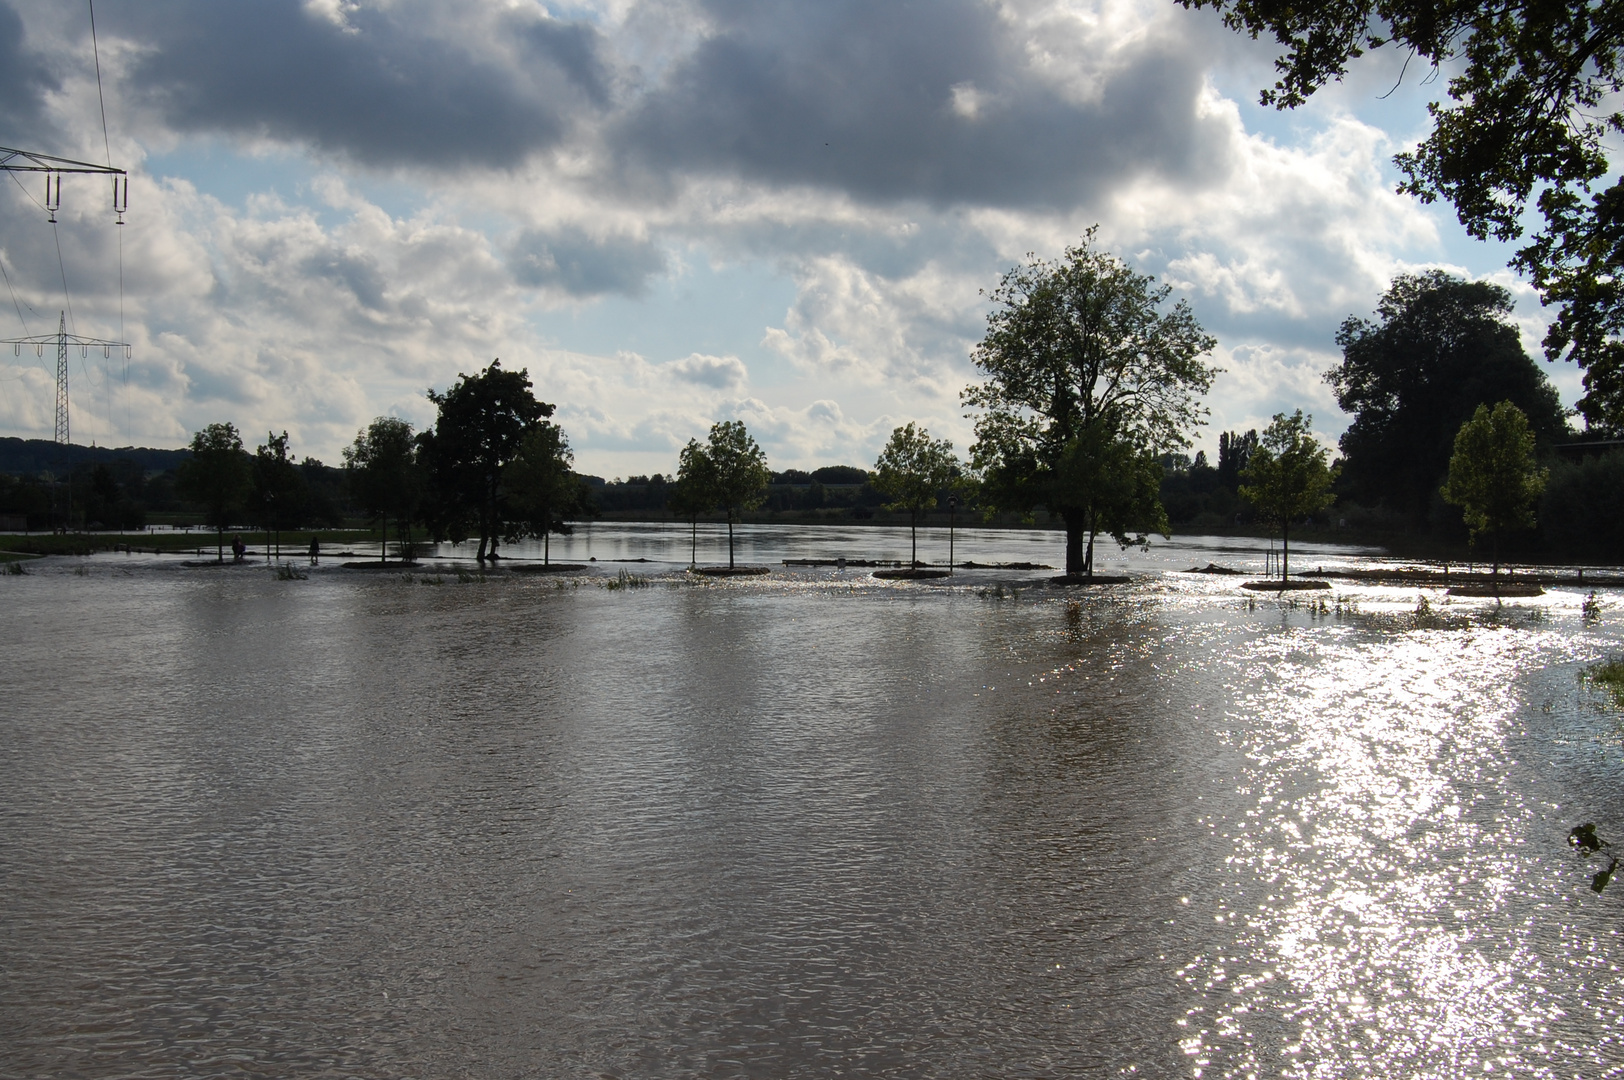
[(1092, 384)]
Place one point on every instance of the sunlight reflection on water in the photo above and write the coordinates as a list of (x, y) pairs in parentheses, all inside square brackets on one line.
[(812, 824)]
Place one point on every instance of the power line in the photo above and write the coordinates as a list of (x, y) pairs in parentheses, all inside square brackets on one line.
[(95, 51), (14, 302)]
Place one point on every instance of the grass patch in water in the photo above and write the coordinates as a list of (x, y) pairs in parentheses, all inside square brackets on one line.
[(1609, 675), (623, 580)]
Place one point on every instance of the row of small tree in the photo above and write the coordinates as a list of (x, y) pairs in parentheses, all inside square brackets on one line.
[(1089, 380), (493, 466)]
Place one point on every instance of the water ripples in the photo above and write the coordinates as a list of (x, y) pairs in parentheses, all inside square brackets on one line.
[(812, 825)]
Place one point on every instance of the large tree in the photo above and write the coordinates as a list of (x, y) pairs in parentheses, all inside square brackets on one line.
[(482, 422), (1083, 367), (1438, 348), (1494, 476), (216, 477), (278, 491), (913, 471), (739, 473), (385, 479), (543, 492), (1532, 103), (1287, 477)]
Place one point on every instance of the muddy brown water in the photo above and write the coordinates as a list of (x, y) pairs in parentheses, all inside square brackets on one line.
[(812, 824)]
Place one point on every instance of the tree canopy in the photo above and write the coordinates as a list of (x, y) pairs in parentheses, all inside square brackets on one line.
[(912, 471), (482, 421), (542, 489), (1083, 368), (216, 476), (385, 479), (278, 491), (1287, 478), (1438, 348), (1494, 476), (739, 472), (1531, 105), (694, 493)]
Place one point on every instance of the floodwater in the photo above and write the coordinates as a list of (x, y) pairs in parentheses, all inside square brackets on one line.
[(628, 824)]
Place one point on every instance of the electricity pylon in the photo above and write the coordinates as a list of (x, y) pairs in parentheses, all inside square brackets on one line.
[(62, 339)]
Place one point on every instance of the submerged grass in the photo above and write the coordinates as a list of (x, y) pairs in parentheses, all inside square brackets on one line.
[(624, 580), (1609, 676)]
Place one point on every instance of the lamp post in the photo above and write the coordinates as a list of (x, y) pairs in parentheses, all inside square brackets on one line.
[(952, 516)]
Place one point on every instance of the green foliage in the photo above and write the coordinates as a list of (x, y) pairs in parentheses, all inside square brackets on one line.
[(216, 477), (1116, 483), (1079, 355), (1531, 104), (1438, 349), (1493, 475), (542, 491), (385, 479), (1287, 477), (738, 473), (482, 422), (1581, 507), (913, 470), (277, 491), (694, 493)]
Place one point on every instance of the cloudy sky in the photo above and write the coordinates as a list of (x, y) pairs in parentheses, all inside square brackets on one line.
[(670, 213)]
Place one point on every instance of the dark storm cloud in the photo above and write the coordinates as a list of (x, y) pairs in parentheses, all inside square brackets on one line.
[(386, 89), (24, 81), (582, 265), (860, 97)]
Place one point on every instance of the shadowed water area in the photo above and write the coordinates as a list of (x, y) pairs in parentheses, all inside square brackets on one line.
[(812, 824)]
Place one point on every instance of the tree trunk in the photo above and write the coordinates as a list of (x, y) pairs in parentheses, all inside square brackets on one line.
[(383, 546), (1074, 543), (730, 539), (219, 544), (1088, 562), (546, 545)]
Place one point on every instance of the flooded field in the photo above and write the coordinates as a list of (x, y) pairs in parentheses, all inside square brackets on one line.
[(628, 823)]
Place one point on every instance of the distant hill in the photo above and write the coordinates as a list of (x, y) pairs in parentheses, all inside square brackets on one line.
[(31, 456)]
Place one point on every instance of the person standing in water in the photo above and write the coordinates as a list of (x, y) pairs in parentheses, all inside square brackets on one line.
[(315, 549)]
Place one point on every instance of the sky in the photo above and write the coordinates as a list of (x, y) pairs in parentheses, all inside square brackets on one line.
[(671, 214)]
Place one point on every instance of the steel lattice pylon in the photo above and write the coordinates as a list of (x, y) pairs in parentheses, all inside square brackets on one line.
[(62, 339), (62, 382)]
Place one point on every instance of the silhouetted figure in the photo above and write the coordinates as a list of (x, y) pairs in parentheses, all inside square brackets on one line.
[(315, 550), (238, 548)]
